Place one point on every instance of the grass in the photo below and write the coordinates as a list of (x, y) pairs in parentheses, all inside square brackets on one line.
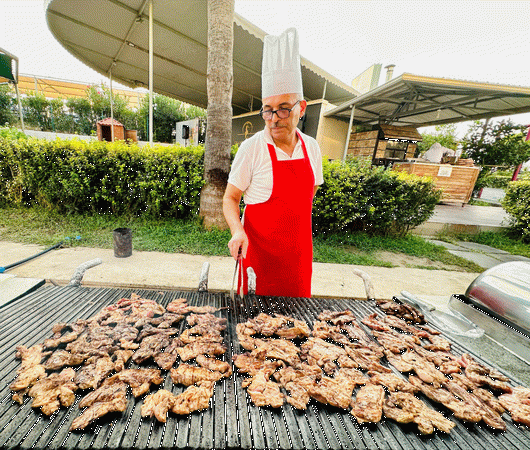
[(39, 226), (502, 240)]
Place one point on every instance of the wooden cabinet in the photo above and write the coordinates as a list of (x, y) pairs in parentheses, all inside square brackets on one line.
[(456, 181)]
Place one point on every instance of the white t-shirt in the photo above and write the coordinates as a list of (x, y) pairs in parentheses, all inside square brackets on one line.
[(251, 170)]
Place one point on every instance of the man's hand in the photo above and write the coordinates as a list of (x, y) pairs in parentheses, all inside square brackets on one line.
[(238, 245)]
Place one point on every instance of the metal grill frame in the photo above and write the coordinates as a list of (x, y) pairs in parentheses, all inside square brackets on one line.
[(232, 421)]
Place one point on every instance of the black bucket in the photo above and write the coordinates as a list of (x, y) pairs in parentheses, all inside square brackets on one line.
[(122, 242)]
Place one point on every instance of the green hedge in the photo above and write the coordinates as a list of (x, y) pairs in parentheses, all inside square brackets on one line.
[(517, 204), (88, 177), (165, 181), (358, 197)]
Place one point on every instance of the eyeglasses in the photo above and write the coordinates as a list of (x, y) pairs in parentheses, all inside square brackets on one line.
[(282, 113)]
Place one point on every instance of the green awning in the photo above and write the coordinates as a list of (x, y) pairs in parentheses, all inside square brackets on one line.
[(6, 67)]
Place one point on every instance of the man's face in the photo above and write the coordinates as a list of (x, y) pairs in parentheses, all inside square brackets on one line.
[(282, 129)]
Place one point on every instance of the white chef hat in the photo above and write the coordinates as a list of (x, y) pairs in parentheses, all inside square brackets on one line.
[(280, 69)]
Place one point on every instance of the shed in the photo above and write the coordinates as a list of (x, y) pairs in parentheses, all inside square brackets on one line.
[(105, 132), (384, 144)]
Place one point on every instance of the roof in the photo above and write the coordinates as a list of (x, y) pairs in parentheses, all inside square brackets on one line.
[(393, 132), (112, 34), (109, 121), (420, 101)]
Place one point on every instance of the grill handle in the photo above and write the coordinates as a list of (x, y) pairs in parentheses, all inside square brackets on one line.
[(368, 285), (203, 279), (80, 271)]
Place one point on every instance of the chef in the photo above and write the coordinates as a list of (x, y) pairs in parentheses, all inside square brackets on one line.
[(277, 171)]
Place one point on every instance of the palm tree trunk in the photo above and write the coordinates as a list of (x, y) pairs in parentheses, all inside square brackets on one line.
[(219, 112)]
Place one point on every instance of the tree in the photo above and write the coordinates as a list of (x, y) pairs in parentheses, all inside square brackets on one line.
[(498, 144), (219, 113), (445, 135), (6, 101)]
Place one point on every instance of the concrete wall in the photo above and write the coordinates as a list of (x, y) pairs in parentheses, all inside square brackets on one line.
[(331, 134)]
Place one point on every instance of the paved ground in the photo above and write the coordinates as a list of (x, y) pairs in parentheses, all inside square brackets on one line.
[(180, 271)]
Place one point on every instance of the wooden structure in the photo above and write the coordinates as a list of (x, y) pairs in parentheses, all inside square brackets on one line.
[(384, 144), (120, 132), (456, 181)]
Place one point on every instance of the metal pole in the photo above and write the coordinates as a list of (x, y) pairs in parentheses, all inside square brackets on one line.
[(150, 72), (19, 107), (348, 135), (111, 108)]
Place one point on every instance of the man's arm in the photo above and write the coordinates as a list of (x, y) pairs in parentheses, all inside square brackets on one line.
[(239, 242)]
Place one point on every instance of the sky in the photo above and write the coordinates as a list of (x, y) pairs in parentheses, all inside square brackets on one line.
[(485, 41)]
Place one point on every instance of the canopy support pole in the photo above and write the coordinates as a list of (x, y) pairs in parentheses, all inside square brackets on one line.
[(349, 133), (150, 72), (111, 108)]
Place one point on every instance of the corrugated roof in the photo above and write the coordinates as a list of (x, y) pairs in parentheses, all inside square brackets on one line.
[(419, 101), (107, 34)]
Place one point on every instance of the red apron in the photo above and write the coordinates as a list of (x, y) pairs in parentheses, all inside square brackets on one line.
[(280, 248)]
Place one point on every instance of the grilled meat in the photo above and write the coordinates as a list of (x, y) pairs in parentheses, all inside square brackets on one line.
[(403, 407), (60, 358), (192, 350), (139, 380), (262, 391), (402, 310), (337, 317), (94, 372), (50, 392), (392, 382), (518, 404), (194, 398), (368, 404), (318, 352), (425, 370), (247, 363), (167, 358), (490, 417), (25, 379), (484, 376), (337, 391), (30, 356), (215, 365), (120, 358), (111, 397), (439, 394), (158, 404), (187, 375), (150, 347)]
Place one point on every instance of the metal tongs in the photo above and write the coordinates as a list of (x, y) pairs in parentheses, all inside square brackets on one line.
[(453, 322), (251, 278)]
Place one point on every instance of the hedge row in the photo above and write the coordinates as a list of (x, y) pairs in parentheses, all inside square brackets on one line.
[(165, 181), (517, 204), (355, 196), (90, 177)]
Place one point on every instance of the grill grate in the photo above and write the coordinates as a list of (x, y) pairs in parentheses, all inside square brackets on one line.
[(232, 421)]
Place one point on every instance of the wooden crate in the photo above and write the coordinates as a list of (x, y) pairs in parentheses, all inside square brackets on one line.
[(457, 182)]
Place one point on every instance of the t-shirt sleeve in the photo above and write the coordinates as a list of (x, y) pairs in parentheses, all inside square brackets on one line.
[(240, 173)]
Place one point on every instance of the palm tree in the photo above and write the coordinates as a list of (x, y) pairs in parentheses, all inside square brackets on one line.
[(219, 112)]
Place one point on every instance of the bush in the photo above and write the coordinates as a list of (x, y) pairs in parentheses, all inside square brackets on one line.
[(79, 176), (517, 204), (374, 200)]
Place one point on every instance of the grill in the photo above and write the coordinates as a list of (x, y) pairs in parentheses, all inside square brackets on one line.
[(231, 421)]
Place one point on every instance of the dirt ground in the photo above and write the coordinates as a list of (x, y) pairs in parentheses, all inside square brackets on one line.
[(414, 262)]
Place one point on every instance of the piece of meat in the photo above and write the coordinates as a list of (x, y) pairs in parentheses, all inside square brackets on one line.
[(396, 343), (97, 410), (30, 357), (51, 392), (60, 358), (446, 362), (437, 343), (262, 391), (150, 346), (403, 407), (247, 363), (192, 350), (425, 370), (168, 357), (337, 317), (194, 398), (439, 394), (277, 349), (28, 377), (376, 324), (298, 383), (215, 365), (519, 411), (318, 352), (402, 310), (366, 358), (120, 358), (485, 376), (158, 404), (337, 391), (490, 417), (93, 372), (108, 390), (398, 362), (368, 403), (178, 306), (392, 382), (140, 380), (187, 375)]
